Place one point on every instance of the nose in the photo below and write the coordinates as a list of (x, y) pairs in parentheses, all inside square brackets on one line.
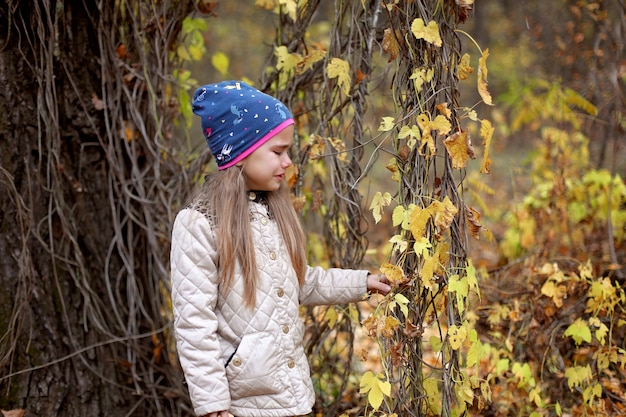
[(286, 161)]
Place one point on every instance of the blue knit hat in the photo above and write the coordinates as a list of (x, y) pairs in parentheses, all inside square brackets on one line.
[(237, 119)]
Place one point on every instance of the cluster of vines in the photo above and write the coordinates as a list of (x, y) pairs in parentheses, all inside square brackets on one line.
[(335, 83), (332, 134), (427, 175), (105, 155)]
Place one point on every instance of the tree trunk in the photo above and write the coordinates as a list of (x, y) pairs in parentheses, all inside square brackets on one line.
[(81, 332), (48, 166)]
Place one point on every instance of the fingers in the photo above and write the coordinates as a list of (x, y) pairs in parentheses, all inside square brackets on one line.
[(222, 413), (378, 284)]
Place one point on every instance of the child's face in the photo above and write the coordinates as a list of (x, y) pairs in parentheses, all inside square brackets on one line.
[(264, 168)]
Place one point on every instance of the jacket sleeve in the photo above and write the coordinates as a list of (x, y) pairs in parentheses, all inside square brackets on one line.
[(333, 286), (194, 297)]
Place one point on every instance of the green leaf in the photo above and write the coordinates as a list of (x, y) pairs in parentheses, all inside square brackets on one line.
[(502, 366), (436, 343), (433, 394)]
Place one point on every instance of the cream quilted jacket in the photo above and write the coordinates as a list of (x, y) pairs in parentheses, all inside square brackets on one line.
[(251, 363)]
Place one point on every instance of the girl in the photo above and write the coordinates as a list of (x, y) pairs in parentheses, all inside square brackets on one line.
[(239, 272)]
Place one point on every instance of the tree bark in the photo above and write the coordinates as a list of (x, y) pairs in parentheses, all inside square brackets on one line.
[(64, 289)]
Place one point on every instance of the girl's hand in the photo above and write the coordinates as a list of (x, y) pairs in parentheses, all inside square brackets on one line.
[(378, 284), (222, 413)]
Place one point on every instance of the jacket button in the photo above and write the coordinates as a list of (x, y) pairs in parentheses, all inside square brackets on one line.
[(237, 362), (264, 221), (273, 255), (280, 292), (285, 329), (291, 363)]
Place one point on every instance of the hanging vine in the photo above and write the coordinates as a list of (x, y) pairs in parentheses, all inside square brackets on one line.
[(104, 153)]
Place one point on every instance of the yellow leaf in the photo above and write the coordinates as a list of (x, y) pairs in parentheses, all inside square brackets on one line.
[(317, 143), (430, 32), (534, 396), (579, 331), (220, 62), (285, 61), (443, 109), (386, 124), (472, 281), (331, 316), (392, 166), (340, 147), (390, 326), (309, 60), (486, 133), (402, 216), (291, 6), (399, 244), (423, 120), (472, 217), (444, 212), (340, 69), (465, 69), (378, 203), (577, 375), (459, 286), (418, 219), (441, 124), (265, 4), (586, 270), (459, 146), (403, 302), (407, 131), (457, 336), (422, 246), (196, 52), (421, 75), (431, 264), (427, 143), (482, 78), (556, 292), (389, 44), (394, 274), (375, 387)]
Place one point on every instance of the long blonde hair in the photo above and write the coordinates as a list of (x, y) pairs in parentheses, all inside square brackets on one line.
[(225, 193)]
